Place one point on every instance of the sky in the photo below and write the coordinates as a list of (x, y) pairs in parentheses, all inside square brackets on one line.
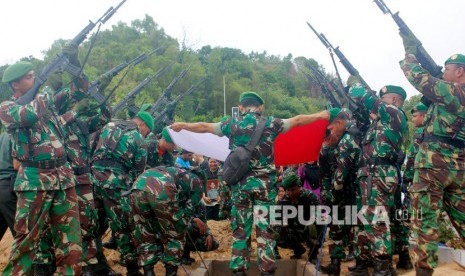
[(368, 38)]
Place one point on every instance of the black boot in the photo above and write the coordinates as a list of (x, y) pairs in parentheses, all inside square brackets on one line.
[(404, 261), (360, 269), (90, 270), (369, 263), (132, 268), (333, 269), (298, 250), (110, 244), (171, 270), (41, 270), (148, 270), (186, 257), (424, 271), (383, 267)]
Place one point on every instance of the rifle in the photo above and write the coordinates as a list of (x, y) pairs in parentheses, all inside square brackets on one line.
[(61, 62), (328, 94), (162, 117), (123, 103), (95, 85), (166, 95), (345, 62), (331, 87), (423, 57)]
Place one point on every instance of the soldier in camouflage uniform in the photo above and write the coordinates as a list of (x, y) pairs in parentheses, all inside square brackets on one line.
[(44, 184), (163, 201), (378, 175), (8, 171), (119, 158), (438, 181), (345, 139), (253, 188), (401, 223), (160, 150), (294, 234)]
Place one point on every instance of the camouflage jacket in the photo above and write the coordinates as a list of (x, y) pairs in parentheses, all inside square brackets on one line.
[(347, 154), (384, 137), (180, 185), (444, 118), (120, 156), (154, 157), (38, 135), (239, 131), (409, 166)]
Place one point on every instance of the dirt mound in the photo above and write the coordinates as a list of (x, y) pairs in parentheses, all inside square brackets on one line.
[(222, 231)]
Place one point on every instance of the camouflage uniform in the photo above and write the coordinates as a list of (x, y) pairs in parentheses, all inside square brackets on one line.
[(343, 187), (253, 189), (163, 199), (327, 163), (440, 162), (377, 173), (156, 158), (120, 156), (294, 234), (44, 185)]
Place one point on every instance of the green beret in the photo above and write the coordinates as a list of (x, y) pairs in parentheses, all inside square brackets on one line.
[(251, 95), (333, 112), (419, 108), (393, 89), (456, 59), (16, 71), (166, 135), (147, 118), (145, 107), (291, 180)]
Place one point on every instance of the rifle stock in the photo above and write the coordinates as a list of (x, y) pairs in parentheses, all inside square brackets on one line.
[(61, 60), (422, 55)]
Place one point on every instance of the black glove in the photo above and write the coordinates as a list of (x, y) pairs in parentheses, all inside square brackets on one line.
[(71, 50), (353, 79)]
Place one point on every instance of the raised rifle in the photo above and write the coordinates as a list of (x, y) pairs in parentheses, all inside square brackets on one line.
[(423, 57), (94, 86), (324, 89), (345, 62), (134, 92), (163, 117), (166, 95), (61, 62)]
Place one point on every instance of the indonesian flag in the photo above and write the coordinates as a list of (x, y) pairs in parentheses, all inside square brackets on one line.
[(299, 145)]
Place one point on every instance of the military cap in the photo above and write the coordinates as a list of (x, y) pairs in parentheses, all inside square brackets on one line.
[(333, 112), (456, 59), (251, 95), (339, 114), (419, 108), (147, 118), (166, 135), (291, 180), (393, 89), (16, 71), (145, 107)]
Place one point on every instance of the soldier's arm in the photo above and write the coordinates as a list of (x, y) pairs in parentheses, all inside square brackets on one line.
[(449, 94), (200, 127), (305, 119), (13, 115), (345, 163)]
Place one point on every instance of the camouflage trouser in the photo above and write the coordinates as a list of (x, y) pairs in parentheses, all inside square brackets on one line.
[(156, 219), (435, 190), (34, 210), (120, 219), (400, 222), (241, 223), (88, 217), (374, 239), (338, 235)]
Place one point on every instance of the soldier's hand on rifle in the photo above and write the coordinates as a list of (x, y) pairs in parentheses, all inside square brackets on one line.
[(55, 80), (353, 79), (71, 51), (104, 81), (410, 43)]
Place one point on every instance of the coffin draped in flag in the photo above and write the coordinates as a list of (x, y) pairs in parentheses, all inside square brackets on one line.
[(299, 145)]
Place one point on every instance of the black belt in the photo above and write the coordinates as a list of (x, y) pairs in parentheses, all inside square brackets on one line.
[(45, 164), (111, 163), (377, 162), (81, 170), (440, 139)]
